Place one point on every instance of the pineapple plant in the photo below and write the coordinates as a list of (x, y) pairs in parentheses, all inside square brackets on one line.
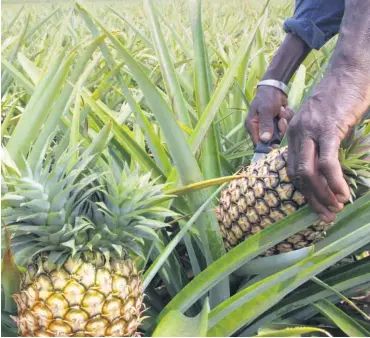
[(78, 233), (3, 116), (266, 195)]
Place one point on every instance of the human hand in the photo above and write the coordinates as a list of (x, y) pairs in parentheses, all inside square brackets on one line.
[(268, 103), (314, 137)]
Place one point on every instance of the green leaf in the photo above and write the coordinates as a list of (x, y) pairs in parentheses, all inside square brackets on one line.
[(175, 324), (5, 80), (185, 162), (297, 89), (125, 137), (40, 23), (296, 95), (56, 48), (8, 326), (348, 301), (238, 256), (99, 143), (167, 68), (202, 185), (152, 138), (18, 76), (161, 259), (64, 101), (29, 67), (222, 89), (10, 276), (251, 302), (174, 136), (345, 222), (292, 332), (185, 48), (133, 27), (210, 159), (6, 31), (258, 63), (348, 325), (203, 86), (37, 109)]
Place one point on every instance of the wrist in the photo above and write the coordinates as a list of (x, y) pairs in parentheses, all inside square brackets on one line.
[(346, 91), (275, 84), (289, 56), (337, 103)]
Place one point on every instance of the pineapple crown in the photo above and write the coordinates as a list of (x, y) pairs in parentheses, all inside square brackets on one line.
[(66, 208), (354, 156), (126, 211)]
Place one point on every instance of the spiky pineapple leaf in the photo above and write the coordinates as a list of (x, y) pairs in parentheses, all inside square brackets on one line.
[(175, 324), (348, 325), (10, 275), (8, 326), (292, 332)]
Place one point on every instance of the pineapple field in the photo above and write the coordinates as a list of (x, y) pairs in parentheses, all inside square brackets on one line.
[(130, 203)]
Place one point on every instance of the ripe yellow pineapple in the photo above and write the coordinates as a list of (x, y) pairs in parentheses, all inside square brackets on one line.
[(267, 195), (93, 295), (77, 233)]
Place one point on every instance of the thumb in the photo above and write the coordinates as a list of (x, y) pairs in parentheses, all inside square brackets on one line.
[(266, 124)]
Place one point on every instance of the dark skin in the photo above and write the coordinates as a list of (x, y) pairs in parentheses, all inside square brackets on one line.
[(325, 119), (269, 100)]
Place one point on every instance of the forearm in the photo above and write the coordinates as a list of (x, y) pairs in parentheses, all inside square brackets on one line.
[(346, 86), (353, 47), (286, 61)]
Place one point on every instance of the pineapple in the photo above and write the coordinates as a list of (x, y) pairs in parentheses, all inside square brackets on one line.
[(267, 195), (78, 234)]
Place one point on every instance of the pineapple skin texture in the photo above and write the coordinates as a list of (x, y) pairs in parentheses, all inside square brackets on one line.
[(265, 196), (84, 298)]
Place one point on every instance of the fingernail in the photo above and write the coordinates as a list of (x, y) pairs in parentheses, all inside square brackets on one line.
[(341, 198), (266, 136), (282, 109), (324, 218), (333, 209)]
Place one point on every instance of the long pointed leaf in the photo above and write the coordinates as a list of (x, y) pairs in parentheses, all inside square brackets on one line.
[(341, 319)]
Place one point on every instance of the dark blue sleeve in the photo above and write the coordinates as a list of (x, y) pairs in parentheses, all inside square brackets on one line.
[(316, 21)]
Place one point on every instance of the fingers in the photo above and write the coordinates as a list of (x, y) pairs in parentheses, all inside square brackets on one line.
[(293, 147), (252, 124), (283, 126), (325, 214), (264, 107), (260, 123), (285, 115), (304, 168), (284, 100), (266, 119), (315, 179), (331, 169)]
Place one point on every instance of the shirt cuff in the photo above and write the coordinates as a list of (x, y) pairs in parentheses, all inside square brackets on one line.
[(307, 31)]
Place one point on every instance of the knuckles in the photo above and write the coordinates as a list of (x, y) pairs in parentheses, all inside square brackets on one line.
[(293, 129), (305, 171), (326, 163)]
